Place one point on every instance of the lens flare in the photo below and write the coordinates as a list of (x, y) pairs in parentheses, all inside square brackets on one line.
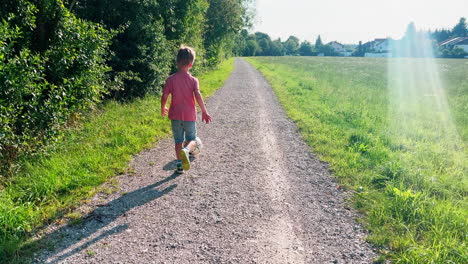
[(419, 113)]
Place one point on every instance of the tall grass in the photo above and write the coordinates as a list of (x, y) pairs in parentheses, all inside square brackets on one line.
[(99, 147), (411, 186)]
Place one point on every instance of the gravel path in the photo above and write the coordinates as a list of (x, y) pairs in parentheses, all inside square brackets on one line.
[(256, 194)]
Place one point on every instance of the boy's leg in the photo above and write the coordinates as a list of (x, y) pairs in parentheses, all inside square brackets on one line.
[(178, 133), (178, 148), (190, 135)]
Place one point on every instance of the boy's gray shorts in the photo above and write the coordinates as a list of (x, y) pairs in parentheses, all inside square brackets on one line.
[(183, 130)]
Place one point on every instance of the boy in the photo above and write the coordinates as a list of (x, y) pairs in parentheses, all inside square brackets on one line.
[(184, 90)]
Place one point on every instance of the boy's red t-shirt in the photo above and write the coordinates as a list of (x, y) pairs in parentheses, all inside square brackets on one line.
[(182, 86)]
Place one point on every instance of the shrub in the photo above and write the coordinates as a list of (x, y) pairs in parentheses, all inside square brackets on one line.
[(150, 32), (44, 80)]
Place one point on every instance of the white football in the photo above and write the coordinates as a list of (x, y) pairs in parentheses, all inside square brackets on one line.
[(198, 148)]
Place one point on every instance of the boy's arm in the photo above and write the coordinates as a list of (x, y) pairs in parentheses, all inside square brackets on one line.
[(205, 116), (164, 109)]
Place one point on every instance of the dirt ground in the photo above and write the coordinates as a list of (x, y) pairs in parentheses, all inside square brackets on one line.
[(256, 194)]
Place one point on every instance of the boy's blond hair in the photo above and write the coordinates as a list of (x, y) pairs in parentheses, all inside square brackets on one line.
[(185, 56)]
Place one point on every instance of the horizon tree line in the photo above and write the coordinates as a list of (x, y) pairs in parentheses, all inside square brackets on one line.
[(260, 44)]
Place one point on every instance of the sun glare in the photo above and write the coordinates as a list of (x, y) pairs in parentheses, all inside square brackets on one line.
[(419, 113)]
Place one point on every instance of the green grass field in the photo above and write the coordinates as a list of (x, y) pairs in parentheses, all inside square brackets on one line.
[(100, 146), (396, 135)]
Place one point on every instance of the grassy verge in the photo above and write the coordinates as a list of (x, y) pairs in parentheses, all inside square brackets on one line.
[(408, 169), (100, 147)]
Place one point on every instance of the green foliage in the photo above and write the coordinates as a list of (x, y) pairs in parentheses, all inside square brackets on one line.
[(151, 31), (277, 48), (456, 52), (291, 45), (318, 42), (327, 50), (441, 35), (95, 149), (141, 54), (43, 82), (241, 43), (407, 169), (252, 48), (460, 29), (260, 44), (306, 49), (360, 51), (265, 44), (225, 19), (19, 77)]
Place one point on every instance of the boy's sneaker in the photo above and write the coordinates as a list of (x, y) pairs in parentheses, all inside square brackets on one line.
[(179, 170), (184, 154)]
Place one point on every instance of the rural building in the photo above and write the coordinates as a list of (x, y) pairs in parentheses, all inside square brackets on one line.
[(463, 44), (379, 47), (460, 42), (382, 45), (339, 48)]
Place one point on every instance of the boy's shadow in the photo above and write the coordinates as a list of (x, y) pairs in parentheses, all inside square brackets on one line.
[(172, 165), (99, 219)]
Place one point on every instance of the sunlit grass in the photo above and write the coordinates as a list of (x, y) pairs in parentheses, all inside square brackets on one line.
[(407, 167), (99, 147)]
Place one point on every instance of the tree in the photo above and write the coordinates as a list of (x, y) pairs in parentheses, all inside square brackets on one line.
[(241, 43), (141, 50), (251, 48), (264, 42), (328, 50), (408, 46), (460, 30), (291, 45), (318, 43), (265, 47), (277, 48), (441, 34), (410, 33), (225, 19), (360, 51), (306, 49)]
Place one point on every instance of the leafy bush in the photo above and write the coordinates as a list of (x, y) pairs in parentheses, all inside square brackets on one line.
[(21, 79), (456, 52), (150, 32), (43, 82)]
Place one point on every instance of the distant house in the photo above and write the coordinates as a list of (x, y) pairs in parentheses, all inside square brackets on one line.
[(463, 44), (459, 42), (339, 48), (380, 47)]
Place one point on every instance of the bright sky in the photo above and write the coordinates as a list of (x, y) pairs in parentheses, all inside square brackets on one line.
[(348, 21)]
